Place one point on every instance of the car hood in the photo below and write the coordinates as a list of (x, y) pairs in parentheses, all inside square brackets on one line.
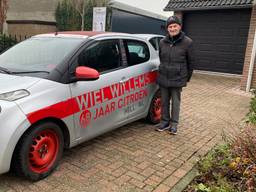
[(12, 82)]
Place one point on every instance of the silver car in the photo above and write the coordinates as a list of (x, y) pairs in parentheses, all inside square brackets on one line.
[(58, 90)]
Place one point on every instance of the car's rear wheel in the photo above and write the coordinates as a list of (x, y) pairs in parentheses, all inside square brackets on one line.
[(39, 151), (154, 113)]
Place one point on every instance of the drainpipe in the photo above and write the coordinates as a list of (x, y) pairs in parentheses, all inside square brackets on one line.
[(251, 66)]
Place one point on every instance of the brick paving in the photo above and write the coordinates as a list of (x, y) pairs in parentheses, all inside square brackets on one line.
[(137, 158)]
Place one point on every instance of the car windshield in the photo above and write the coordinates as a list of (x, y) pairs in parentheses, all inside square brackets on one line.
[(37, 54)]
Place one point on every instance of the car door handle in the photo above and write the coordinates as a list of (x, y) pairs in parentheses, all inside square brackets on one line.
[(123, 80)]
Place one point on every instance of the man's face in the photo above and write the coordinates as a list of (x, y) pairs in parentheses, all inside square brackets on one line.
[(174, 29)]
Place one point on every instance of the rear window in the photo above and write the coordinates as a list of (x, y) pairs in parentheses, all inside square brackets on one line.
[(155, 42), (138, 52)]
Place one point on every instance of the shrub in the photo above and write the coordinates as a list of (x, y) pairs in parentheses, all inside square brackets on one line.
[(229, 167), (6, 42), (244, 165), (251, 116), (67, 17)]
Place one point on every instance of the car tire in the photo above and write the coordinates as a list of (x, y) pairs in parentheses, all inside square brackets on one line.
[(39, 151), (154, 113)]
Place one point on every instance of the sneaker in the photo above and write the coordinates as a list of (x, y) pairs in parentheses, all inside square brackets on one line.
[(173, 131), (162, 127)]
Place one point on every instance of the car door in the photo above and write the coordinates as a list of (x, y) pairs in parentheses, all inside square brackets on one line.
[(98, 100), (142, 69)]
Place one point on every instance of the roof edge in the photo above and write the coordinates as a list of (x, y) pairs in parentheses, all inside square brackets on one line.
[(210, 8), (38, 22)]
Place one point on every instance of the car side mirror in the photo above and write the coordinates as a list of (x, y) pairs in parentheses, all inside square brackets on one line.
[(86, 73)]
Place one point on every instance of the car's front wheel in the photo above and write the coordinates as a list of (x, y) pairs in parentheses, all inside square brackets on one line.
[(39, 151), (154, 113)]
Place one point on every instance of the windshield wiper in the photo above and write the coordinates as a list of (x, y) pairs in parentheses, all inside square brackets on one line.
[(2, 69), (22, 72)]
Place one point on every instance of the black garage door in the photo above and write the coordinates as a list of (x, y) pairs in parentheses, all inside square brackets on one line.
[(220, 38)]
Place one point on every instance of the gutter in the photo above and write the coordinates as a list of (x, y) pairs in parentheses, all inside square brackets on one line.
[(208, 8), (252, 62), (38, 22)]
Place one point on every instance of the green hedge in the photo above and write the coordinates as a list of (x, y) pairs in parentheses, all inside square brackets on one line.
[(6, 42)]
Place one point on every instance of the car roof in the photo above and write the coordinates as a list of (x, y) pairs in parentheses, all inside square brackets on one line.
[(148, 36), (81, 34)]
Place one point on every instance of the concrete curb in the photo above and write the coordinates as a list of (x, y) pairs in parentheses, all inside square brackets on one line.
[(218, 74), (185, 181)]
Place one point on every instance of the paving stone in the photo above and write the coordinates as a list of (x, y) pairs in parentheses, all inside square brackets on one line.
[(135, 176), (171, 181), (162, 188), (153, 182), (137, 183), (147, 172), (4, 188), (148, 188), (144, 165)]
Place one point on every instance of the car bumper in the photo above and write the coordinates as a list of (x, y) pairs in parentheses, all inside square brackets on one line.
[(13, 125)]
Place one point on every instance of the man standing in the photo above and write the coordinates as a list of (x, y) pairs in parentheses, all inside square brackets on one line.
[(175, 70)]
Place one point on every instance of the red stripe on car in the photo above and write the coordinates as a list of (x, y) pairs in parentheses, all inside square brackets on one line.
[(58, 110), (70, 107)]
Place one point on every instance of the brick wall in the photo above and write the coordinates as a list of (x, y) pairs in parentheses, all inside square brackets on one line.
[(23, 30), (249, 52), (40, 10), (30, 17)]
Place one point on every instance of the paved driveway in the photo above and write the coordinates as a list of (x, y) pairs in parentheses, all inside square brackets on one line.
[(137, 158)]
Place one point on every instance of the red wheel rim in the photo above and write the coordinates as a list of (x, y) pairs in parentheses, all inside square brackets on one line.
[(156, 109), (43, 151)]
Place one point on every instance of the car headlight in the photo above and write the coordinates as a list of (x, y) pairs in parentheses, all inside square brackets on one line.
[(14, 95)]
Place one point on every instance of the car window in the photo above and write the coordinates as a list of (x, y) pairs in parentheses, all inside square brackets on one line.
[(153, 42), (102, 56), (138, 52)]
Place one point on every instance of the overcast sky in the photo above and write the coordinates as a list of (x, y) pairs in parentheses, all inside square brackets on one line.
[(155, 6)]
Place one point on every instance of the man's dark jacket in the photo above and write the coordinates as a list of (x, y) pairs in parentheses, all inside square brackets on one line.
[(176, 61)]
